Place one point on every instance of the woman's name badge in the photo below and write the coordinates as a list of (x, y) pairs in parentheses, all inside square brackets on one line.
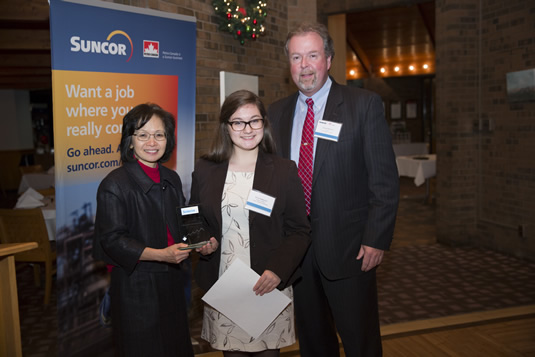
[(260, 203), (328, 130)]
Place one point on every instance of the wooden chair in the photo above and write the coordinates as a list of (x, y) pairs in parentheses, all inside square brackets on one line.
[(47, 191), (30, 169), (28, 225), (431, 190)]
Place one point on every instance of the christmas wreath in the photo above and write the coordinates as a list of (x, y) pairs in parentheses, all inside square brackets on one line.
[(242, 22)]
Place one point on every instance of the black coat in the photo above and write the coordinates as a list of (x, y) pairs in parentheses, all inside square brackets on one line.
[(148, 305)]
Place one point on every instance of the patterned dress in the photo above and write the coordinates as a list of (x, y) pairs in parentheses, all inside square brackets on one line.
[(217, 329)]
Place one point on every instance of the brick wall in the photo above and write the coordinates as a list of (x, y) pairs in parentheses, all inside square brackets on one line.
[(506, 177), (218, 51), (486, 174), (456, 108)]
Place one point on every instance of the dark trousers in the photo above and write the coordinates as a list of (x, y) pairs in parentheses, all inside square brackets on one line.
[(324, 306)]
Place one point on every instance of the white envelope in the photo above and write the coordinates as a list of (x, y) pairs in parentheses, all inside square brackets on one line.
[(33, 193), (30, 199), (233, 296)]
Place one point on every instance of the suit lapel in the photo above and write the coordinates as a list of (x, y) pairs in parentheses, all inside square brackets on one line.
[(171, 211), (219, 175), (286, 123), (263, 175), (331, 113)]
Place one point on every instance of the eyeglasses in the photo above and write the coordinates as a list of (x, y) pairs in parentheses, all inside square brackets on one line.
[(239, 125), (144, 136)]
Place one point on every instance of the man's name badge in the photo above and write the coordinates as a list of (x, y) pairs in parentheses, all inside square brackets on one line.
[(328, 130), (260, 203)]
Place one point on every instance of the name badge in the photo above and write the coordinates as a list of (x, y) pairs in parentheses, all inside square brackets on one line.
[(328, 130), (260, 203), (189, 210)]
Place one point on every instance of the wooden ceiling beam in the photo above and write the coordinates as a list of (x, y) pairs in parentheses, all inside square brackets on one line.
[(429, 25), (24, 10), (27, 84), (359, 52), (24, 71), (24, 24), (25, 59), (24, 39)]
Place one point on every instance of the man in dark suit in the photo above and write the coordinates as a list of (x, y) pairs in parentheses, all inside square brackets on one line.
[(353, 200)]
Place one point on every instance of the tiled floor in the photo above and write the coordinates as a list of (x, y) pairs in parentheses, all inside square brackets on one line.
[(418, 279)]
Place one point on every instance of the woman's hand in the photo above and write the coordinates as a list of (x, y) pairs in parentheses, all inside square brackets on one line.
[(174, 255), (170, 254), (267, 283), (208, 248)]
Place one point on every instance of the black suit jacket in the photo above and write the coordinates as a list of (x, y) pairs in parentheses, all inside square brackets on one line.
[(355, 188), (277, 243)]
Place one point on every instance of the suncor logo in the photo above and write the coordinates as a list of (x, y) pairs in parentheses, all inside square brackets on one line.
[(105, 47)]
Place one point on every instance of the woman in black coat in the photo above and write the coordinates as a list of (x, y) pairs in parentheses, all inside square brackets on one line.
[(138, 233)]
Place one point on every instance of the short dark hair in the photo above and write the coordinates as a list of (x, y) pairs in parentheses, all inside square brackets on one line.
[(135, 119), (320, 29), (222, 146)]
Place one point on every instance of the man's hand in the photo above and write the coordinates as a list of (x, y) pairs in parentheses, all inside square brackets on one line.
[(371, 257)]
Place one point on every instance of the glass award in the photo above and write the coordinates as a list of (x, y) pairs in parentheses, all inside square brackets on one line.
[(195, 234)]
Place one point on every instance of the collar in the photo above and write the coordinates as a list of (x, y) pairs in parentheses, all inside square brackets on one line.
[(319, 98), (144, 181)]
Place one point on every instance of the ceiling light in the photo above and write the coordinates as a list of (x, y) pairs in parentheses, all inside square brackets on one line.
[(411, 67), (352, 72), (396, 69), (426, 66), (383, 70)]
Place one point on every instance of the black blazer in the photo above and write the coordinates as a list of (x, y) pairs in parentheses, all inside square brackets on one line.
[(277, 243), (355, 188)]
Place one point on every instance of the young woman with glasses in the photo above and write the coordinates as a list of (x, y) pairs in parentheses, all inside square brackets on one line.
[(242, 160)]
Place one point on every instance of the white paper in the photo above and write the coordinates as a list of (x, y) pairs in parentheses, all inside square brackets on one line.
[(411, 108), (30, 199), (33, 193), (233, 296), (395, 110), (230, 82)]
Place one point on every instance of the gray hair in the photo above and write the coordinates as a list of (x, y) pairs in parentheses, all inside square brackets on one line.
[(320, 29)]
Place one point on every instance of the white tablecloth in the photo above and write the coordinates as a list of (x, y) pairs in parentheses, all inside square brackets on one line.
[(417, 167), (411, 149), (49, 214), (37, 181)]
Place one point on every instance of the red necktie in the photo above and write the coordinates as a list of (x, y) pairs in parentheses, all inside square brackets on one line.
[(306, 153)]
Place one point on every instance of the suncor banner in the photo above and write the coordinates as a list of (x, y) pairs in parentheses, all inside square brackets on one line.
[(106, 59)]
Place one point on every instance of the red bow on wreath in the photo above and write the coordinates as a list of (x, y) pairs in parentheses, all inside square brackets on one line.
[(242, 22)]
